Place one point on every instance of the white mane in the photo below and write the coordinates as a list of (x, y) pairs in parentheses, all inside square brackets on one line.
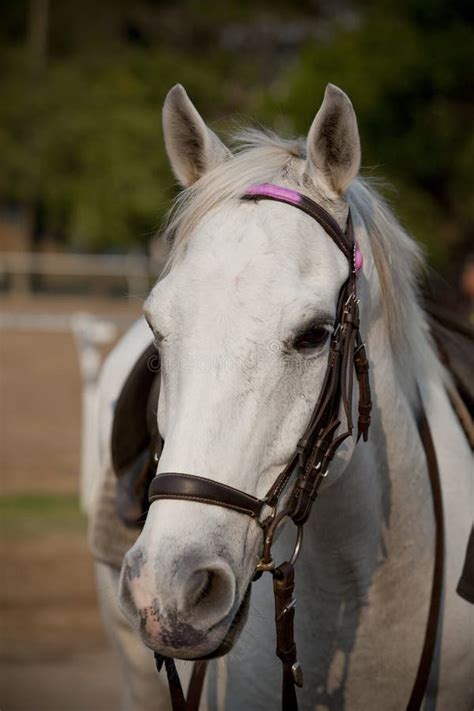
[(262, 156)]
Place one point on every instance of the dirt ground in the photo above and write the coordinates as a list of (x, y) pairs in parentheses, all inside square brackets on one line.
[(40, 394), (53, 653)]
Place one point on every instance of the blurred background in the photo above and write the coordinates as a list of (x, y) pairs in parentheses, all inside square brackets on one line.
[(84, 185)]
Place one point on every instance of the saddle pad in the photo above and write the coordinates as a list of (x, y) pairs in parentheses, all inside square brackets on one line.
[(134, 424), (109, 537), (454, 340), (120, 508)]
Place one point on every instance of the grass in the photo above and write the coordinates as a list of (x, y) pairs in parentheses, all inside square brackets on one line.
[(37, 514)]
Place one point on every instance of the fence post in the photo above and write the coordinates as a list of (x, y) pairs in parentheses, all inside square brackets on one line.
[(90, 333)]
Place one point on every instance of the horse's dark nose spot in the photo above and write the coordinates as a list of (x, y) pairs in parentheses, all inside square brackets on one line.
[(179, 635), (135, 562)]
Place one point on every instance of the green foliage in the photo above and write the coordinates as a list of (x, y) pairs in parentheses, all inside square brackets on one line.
[(405, 67), (82, 139), (86, 141)]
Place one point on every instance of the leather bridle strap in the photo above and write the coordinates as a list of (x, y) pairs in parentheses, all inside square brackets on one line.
[(313, 455), (178, 700), (311, 460), (187, 487), (292, 675), (283, 586)]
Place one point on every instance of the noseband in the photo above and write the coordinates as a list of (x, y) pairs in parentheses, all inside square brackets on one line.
[(310, 460)]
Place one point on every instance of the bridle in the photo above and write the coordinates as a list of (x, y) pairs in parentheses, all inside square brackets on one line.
[(315, 449), (310, 461)]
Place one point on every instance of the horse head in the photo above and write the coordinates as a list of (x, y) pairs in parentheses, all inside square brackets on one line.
[(243, 319)]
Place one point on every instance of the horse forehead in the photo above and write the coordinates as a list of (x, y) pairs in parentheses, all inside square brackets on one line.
[(269, 244), (234, 240), (252, 258)]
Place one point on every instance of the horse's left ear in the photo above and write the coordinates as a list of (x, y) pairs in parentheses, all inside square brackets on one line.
[(193, 149), (333, 144)]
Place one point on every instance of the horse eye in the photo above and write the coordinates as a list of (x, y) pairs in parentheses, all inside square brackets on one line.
[(156, 334), (312, 338)]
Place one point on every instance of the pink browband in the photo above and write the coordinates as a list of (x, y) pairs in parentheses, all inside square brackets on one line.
[(276, 192)]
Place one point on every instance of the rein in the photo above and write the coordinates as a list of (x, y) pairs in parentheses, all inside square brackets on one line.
[(310, 463)]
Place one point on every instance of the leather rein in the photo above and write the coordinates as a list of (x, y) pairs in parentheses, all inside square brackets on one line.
[(308, 467)]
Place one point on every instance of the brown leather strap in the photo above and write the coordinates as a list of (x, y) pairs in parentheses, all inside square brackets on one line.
[(178, 701), (314, 452), (130, 433), (426, 659), (316, 443), (283, 587), (196, 685), (365, 403), (320, 442), (187, 487)]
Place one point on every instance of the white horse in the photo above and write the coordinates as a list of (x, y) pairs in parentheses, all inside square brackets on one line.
[(243, 278)]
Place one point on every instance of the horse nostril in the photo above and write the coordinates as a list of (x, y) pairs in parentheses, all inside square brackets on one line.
[(202, 582), (209, 593)]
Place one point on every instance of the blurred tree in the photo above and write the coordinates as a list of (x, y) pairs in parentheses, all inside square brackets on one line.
[(83, 143), (80, 136), (406, 69)]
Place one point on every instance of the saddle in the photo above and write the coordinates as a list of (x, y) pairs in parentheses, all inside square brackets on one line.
[(136, 442), (454, 340)]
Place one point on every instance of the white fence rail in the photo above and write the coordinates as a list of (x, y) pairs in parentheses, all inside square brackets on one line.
[(136, 269)]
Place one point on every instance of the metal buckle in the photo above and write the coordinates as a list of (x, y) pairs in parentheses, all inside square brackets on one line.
[(297, 548), (265, 566), (301, 446), (286, 609), (266, 563), (268, 520), (297, 674)]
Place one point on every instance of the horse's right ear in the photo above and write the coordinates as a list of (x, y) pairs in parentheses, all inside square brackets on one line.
[(193, 149), (333, 143)]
